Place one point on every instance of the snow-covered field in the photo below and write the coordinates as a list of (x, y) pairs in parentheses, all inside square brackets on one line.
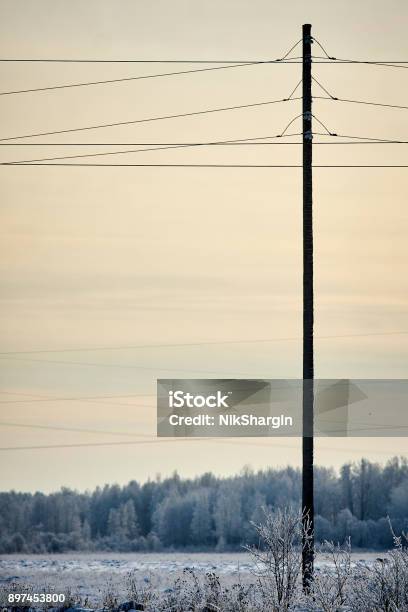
[(93, 575)]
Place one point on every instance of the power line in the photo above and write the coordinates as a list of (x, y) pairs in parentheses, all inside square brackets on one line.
[(360, 427), (74, 429), (126, 79), (181, 115), (150, 119), (315, 40), (387, 64), (153, 76), (9, 355), (155, 148), (283, 133), (321, 87), (290, 51), (166, 146), (97, 398), (47, 399), (368, 139), (134, 442), (294, 60), (391, 63), (240, 141), (125, 366), (86, 398), (91, 165), (91, 444), (190, 144), (230, 441), (294, 90), (361, 102), (283, 60), (92, 400), (323, 125), (203, 343)]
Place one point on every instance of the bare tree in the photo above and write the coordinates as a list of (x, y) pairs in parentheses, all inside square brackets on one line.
[(384, 585), (331, 585), (278, 558)]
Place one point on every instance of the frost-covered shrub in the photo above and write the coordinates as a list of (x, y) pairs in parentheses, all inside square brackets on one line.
[(278, 558), (332, 582), (383, 586), (339, 584)]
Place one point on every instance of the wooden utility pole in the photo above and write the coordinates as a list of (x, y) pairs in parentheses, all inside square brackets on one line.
[(308, 365)]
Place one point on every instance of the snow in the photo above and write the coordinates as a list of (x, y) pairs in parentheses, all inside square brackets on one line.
[(92, 575)]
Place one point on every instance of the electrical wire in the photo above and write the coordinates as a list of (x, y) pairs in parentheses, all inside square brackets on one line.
[(124, 366), (301, 115), (150, 76), (93, 61), (92, 400), (365, 102), (157, 61), (365, 140), (289, 124), (329, 133), (368, 139), (75, 429), (126, 79), (360, 427), (294, 60), (324, 89), (290, 51), (290, 96), (86, 398), (92, 444), (159, 148), (150, 119), (322, 48), (335, 60), (183, 144), (207, 165), (203, 343), (257, 443)]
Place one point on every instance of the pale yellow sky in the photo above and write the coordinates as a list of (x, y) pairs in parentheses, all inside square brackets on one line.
[(109, 257)]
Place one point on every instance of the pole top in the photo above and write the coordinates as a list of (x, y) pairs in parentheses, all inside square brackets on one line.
[(307, 27)]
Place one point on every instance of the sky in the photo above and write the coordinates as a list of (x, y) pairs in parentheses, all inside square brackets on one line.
[(114, 277)]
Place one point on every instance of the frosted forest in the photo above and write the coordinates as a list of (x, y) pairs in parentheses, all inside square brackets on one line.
[(207, 513)]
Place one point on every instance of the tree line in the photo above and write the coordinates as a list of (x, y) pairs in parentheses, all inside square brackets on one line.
[(207, 512)]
